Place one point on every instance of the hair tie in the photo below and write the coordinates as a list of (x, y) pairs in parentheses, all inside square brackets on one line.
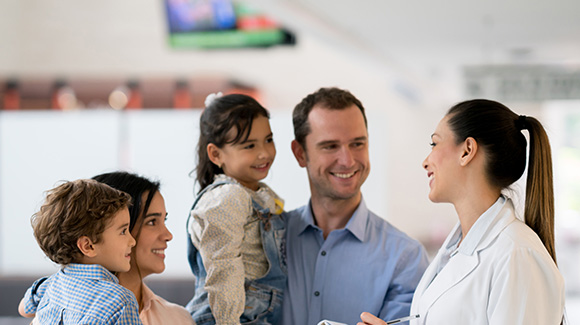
[(211, 97), (522, 123)]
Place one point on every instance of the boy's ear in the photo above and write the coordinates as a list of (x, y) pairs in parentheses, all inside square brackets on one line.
[(299, 153), (214, 154), (85, 245)]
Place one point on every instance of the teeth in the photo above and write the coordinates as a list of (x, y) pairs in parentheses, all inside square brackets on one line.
[(339, 175), (158, 251), (262, 166)]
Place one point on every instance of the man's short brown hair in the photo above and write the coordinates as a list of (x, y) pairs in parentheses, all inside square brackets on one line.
[(72, 210), (330, 98)]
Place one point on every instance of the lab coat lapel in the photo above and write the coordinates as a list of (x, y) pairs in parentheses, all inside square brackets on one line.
[(456, 270), (503, 219), (461, 265), (431, 270)]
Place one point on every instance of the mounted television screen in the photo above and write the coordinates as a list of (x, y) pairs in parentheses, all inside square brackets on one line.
[(199, 15), (207, 24)]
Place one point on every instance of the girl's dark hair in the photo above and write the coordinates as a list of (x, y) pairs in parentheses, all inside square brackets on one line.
[(498, 131), (135, 186), (225, 113)]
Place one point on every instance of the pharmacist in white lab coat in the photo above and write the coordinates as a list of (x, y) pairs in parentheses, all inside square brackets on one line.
[(492, 268)]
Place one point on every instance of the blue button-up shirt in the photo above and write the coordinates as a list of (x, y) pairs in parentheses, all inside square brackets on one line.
[(81, 294), (367, 266)]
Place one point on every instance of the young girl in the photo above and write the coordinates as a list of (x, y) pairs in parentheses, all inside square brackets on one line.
[(236, 234)]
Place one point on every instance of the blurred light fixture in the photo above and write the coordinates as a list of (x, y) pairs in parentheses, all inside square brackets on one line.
[(119, 97)]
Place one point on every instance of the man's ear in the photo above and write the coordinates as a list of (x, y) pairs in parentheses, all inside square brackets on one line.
[(299, 153), (469, 150), (85, 245), (214, 154)]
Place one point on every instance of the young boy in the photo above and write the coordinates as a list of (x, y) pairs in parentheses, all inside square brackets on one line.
[(83, 226)]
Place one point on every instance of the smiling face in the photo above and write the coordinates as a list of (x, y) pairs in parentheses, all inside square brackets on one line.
[(249, 161), (336, 155), (443, 164), (113, 251), (152, 239)]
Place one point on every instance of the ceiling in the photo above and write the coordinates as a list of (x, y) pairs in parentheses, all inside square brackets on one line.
[(430, 41)]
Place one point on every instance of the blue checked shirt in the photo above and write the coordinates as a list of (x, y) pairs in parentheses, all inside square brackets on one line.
[(81, 294)]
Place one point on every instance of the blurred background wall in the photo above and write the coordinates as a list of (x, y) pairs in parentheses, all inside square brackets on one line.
[(406, 61)]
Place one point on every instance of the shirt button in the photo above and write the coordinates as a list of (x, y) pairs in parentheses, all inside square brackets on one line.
[(316, 293), (323, 253)]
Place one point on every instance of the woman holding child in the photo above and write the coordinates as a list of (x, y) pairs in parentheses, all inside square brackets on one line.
[(147, 226), (83, 225), (106, 247)]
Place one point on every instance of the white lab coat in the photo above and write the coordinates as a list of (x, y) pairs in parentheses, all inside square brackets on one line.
[(506, 277)]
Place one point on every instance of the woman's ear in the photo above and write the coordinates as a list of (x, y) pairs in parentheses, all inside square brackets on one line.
[(215, 154), (470, 149), (85, 245)]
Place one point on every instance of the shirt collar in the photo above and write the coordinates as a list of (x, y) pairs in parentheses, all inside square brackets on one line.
[(89, 271), (356, 225), (147, 297), (480, 227)]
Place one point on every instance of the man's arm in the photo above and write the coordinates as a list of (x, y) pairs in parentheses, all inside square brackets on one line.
[(410, 268), (397, 303)]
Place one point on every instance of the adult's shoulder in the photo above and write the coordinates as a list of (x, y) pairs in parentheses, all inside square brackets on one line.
[(519, 250), (406, 256), (297, 214), (517, 236), (156, 307), (295, 219), (386, 233)]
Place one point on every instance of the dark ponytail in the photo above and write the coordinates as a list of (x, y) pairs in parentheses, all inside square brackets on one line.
[(539, 211), (498, 131)]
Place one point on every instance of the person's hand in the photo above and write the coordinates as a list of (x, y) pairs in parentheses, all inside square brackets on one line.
[(370, 319)]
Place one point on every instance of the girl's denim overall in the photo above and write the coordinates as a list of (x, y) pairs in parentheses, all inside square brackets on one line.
[(263, 295)]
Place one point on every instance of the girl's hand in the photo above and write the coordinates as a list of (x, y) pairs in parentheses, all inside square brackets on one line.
[(370, 319)]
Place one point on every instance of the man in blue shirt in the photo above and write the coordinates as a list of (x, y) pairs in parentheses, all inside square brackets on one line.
[(342, 258)]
